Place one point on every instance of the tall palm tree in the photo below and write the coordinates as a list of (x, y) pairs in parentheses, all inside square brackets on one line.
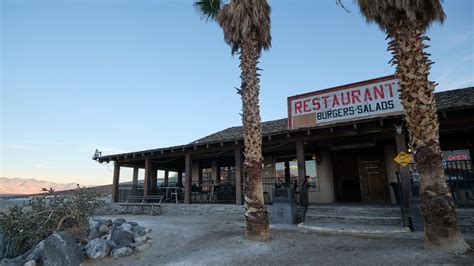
[(405, 23), (246, 26)]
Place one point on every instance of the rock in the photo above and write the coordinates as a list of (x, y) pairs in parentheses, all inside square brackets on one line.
[(93, 233), (141, 248), (126, 227), (12, 262), (101, 222), (133, 223), (60, 248), (118, 222), (122, 238), (31, 263), (121, 252), (97, 248), (140, 239), (104, 229), (140, 230), (36, 253)]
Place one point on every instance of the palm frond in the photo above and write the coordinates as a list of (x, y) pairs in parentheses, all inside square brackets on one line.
[(208, 9), (239, 18), (389, 12)]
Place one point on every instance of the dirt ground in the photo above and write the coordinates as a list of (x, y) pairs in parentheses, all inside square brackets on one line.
[(213, 235)]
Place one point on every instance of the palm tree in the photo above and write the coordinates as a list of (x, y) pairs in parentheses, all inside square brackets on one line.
[(405, 23), (246, 26)]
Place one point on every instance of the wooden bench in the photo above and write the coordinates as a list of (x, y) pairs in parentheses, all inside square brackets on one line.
[(143, 201)]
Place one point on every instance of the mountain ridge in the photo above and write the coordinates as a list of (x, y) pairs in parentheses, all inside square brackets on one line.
[(22, 186)]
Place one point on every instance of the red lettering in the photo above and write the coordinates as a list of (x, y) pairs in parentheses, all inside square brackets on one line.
[(298, 108), (348, 98), (316, 104), (454, 157), (306, 106), (390, 89), (367, 96), (325, 98), (378, 92), (335, 101), (355, 97)]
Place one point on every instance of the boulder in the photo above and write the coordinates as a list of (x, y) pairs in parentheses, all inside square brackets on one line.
[(126, 227), (60, 248), (140, 240), (104, 229), (97, 248), (31, 263), (118, 222), (18, 261), (121, 252), (36, 253), (133, 223), (141, 248), (93, 233), (140, 230), (122, 238)]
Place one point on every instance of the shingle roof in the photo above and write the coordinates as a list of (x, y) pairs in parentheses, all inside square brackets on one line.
[(445, 101)]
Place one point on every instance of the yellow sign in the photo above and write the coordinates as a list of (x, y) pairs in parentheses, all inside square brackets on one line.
[(403, 158)]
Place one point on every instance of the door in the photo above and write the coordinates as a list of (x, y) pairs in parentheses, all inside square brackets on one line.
[(346, 176), (373, 179)]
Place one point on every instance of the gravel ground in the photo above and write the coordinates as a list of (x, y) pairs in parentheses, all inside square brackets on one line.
[(213, 235)]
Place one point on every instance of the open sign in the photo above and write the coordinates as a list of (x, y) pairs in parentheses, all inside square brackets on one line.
[(456, 155)]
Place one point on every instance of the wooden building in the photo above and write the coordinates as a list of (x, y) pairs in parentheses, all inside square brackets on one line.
[(345, 160)]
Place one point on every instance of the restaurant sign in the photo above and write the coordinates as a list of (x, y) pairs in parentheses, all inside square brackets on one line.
[(356, 101)]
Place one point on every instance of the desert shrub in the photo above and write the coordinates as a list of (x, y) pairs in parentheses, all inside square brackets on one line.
[(26, 225)]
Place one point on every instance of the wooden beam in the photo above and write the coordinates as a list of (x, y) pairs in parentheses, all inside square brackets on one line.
[(189, 179), (167, 174), (135, 180), (215, 171), (148, 177), (301, 169), (115, 182)]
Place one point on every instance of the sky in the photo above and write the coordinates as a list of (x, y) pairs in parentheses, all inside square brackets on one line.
[(123, 75)]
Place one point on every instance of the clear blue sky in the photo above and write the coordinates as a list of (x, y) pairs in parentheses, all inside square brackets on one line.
[(131, 75)]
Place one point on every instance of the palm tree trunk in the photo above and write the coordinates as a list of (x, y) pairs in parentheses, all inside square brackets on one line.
[(255, 214), (417, 95)]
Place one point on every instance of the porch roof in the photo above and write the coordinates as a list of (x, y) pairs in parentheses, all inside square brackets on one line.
[(459, 99)]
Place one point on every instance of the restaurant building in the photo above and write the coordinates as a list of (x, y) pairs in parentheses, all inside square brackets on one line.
[(343, 139)]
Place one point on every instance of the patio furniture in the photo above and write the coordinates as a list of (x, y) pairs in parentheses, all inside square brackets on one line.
[(143, 201)]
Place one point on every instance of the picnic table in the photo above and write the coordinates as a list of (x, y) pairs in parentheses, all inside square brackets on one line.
[(151, 201)]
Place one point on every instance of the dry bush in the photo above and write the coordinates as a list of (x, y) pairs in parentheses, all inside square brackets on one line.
[(26, 225)]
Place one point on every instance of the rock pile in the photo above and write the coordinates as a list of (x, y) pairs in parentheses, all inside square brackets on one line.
[(117, 238)]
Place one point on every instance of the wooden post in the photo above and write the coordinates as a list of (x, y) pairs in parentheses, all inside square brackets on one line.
[(215, 172), (153, 180), (238, 176), (115, 182), (189, 179), (148, 177), (167, 174), (135, 180), (180, 177), (401, 145), (301, 168)]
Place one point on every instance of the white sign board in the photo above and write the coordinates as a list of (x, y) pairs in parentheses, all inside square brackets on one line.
[(371, 98)]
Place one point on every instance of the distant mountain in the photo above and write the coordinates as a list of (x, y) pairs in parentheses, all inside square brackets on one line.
[(22, 186)]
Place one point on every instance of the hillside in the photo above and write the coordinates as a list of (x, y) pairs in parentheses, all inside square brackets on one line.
[(29, 186)]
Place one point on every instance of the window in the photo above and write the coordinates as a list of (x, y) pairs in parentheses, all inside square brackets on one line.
[(227, 174), (206, 174), (313, 181)]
